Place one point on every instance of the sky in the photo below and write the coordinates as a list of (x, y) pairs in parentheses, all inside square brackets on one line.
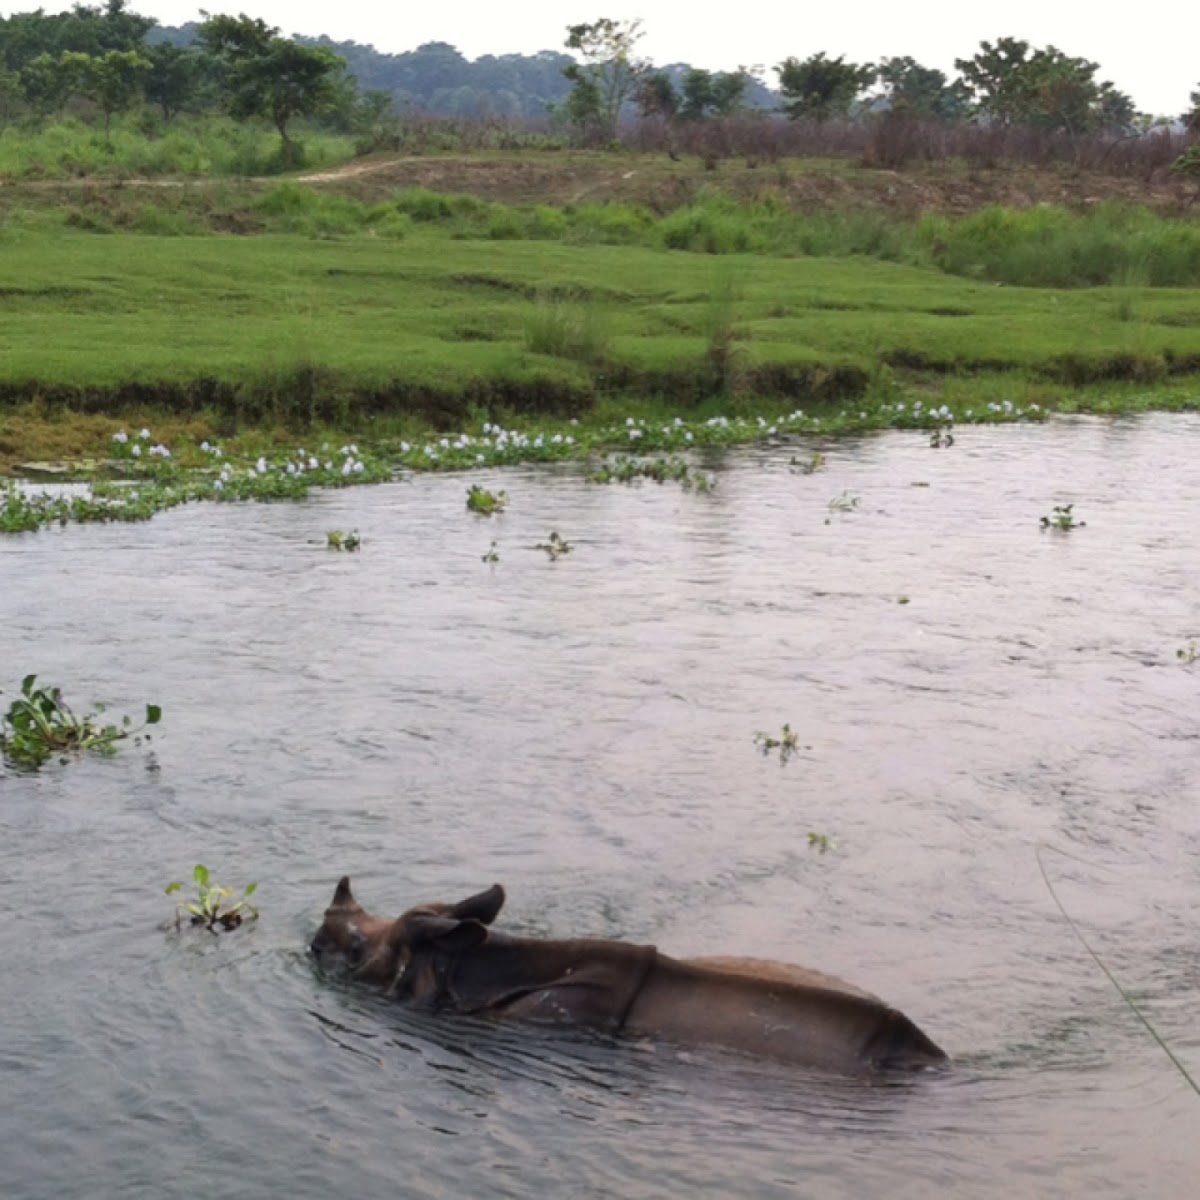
[(1148, 53)]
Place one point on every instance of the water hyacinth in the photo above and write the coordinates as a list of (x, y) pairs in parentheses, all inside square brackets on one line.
[(291, 475)]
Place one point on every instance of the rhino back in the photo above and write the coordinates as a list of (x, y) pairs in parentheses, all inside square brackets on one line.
[(783, 1013)]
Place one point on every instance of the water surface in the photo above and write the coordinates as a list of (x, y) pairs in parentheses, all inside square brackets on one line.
[(582, 731)]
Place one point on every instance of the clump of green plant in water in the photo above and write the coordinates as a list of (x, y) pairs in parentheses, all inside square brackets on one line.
[(629, 470), (480, 500), (941, 439), (556, 547), (492, 555), (212, 906), (335, 539), (39, 724), (1188, 654), (846, 502), (1062, 518), (807, 466), (821, 842), (787, 743)]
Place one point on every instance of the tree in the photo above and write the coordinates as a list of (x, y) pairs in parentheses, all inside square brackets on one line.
[(656, 96), (922, 91), (271, 76), (728, 91), (1047, 89), (705, 95), (606, 76), (49, 82), (113, 80), (174, 78), (1192, 119), (820, 88)]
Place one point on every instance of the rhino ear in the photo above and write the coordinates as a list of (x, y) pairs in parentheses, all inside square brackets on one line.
[(445, 933), (482, 907), (342, 896)]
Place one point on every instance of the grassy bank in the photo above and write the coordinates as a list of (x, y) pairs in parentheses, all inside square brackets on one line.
[(412, 323), (295, 329)]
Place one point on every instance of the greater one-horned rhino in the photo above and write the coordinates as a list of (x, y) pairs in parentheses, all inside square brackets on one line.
[(444, 956)]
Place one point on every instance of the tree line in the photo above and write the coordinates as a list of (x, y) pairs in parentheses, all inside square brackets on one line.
[(113, 59)]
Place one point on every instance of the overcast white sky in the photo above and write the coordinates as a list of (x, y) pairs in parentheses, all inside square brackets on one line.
[(1147, 52)]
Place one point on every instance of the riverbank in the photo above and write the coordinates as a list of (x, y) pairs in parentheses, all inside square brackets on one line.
[(422, 319)]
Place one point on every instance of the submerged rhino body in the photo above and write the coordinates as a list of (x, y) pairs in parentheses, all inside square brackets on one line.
[(445, 956)]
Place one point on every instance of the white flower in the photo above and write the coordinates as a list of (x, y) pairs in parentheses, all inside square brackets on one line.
[(570, 440), (678, 422), (628, 420), (205, 447), (219, 485), (358, 467), (445, 443), (329, 466), (687, 437), (404, 447), (353, 448), (479, 458), (217, 451), (313, 464), (557, 439), (291, 468), (347, 465), (137, 452), (121, 436), (634, 434), (144, 435), (261, 466)]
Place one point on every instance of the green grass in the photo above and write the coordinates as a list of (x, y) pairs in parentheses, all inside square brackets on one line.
[(296, 327), (143, 145)]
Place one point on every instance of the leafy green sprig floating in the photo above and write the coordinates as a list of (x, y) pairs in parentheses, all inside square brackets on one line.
[(39, 724), (212, 906)]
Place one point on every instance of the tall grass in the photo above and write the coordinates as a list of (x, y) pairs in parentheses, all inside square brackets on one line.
[(145, 146), (1043, 246), (1050, 247), (567, 327)]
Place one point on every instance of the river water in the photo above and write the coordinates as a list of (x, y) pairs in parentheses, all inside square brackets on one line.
[(582, 731)]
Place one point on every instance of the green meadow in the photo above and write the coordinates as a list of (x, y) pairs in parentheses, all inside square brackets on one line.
[(427, 311)]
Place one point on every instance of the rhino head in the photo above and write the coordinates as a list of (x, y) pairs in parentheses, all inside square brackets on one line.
[(374, 950)]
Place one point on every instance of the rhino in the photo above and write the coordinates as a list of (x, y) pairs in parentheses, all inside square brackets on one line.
[(447, 957)]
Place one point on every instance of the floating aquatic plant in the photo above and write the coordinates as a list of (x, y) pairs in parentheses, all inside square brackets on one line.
[(39, 724), (1062, 518), (1188, 654), (555, 547), (821, 842), (787, 743), (492, 555), (212, 905), (846, 502), (480, 500), (941, 439), (807, 466), (335, 539)]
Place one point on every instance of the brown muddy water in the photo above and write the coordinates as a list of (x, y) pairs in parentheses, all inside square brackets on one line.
[(582, 731)]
